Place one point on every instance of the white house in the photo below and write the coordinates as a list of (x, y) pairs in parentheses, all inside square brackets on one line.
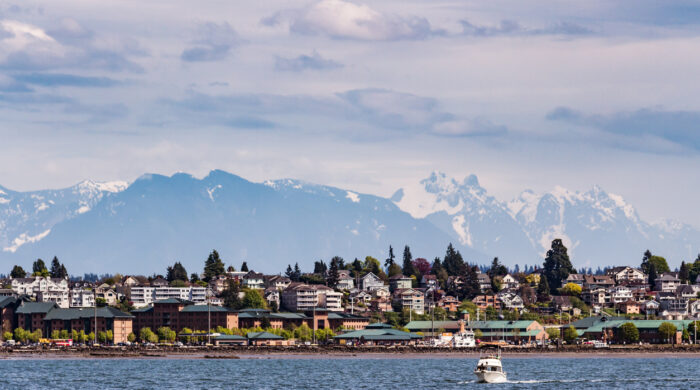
[(625, 273), (509, 282), (511, 300), (619, 294), (254, 280), (345, 281), (371, 282), (80, 297), (667, 283)]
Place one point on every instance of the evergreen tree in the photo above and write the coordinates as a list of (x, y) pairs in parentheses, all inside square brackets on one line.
[(230, 295), (244, 267), (453, 262), (557, 265), (64, 272), (408, 268), (289, 272), (230, 269), (297, 272), (684, 273), (194, 278), (18, 272), (333, 275), (320, 267), (357, 267), (471, 286), (497, 269), (213, 266), (394, 269), (543, 290), (176, 272), (645, 261), (39, 268), (652, 276), (439, 271), (55, 268), (390, 260)]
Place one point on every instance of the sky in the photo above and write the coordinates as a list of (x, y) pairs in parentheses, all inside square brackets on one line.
[(367, 96)]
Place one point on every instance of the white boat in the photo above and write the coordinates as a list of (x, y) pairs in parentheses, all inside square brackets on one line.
[(489, 369)]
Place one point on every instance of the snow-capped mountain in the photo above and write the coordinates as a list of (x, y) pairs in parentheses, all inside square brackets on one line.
[(27, 217), (597, 227), (158, 220), (142, 228)]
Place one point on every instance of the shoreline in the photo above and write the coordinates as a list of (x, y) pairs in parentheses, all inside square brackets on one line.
[(257, 354)]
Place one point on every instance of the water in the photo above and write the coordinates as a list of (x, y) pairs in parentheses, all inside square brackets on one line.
[(336, 373)]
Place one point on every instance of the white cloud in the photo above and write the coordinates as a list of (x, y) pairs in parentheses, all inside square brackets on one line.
[(347, 20)]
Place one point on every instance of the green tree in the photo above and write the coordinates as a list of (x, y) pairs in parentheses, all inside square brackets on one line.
[(667, 331), (553, 333), (176, 272), (557, 265), (478, 334), (213, 266), (56, 269), (453, 262), (165, 334), (131, 337), (695, 270), (63, 334), (684, 273), (394, 269), (497, 269), (571, 289), (102, 337), (7, 336), (570, 334), (145, 334), (645, 261), (297, 272), (253, 300), (55, 334), (660, 264), (100, 302), (629, 332), (408, 268), (652, 276), (18, 272), (333, 275), (303, 333), (231, 295), (470, 288), (543, 290), (390, 260), (39, 268), (439, 271), (244, 267)]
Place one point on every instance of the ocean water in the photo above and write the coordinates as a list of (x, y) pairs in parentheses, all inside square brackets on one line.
[(336, 373)]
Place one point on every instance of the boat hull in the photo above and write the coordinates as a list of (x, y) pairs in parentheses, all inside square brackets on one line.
[(490, 377)]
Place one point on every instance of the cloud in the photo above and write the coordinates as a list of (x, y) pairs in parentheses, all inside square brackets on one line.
[(510, 27), (213, 43), (60, 79), (345, 20), (681, 128), (477, 127), (31, 48), (305, 62)]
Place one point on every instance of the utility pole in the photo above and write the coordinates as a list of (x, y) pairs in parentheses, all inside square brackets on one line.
[(208, 315), (94, 339)]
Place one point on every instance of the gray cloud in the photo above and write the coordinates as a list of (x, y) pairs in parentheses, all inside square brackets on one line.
[(61, 79), (678, 127), (305, 62), (214, 42), (510, 27)]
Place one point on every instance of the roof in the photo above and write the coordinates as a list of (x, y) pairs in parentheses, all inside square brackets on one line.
[(7, 301), (379, 325), (415, 326), (526, 333), (144, 309), (204, 308), (338, 316), (174, 300), (36, 307), (85, 312), (229, 337), (379, 334), (640, 324), (263, 336)]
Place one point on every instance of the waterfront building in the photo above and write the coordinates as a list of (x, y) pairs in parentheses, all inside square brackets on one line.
[(89, 320), (377, 334), (43, 289), (30, 315), (177, 314)]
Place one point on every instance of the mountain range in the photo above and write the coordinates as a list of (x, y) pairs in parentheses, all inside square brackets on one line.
[(156, 220)]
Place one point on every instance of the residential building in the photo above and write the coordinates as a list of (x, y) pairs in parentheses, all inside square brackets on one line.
[(89, 320), (345, 281), (304, 297), (371, 282), (630, 307), (509, 282), (178, 313), (619, 294), (484, 301), (254, 280), (430, 282), (578, 279), (80, 297), (686, 291), (620, 274), (484, 282), (144, 296), (449, 303), (272, 296), (511, 300), (400, 282), (595, 297), (592, 282), (562, 303), (30, 315), (409, 298), (667, 282), (8, 306), (43, 289), (277, 282)]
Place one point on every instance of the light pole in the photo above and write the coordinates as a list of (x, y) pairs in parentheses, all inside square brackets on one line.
[(94, 296), (206, 294)]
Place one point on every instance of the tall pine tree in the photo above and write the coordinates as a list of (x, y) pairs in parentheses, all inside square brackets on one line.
[(244, 267), (645, 261), (684, 273), (55, 268), (652, 276), (333, 275), (390, 260), (543, 290), (213, 266), (453, 262), (408, 267), (557, 265)]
